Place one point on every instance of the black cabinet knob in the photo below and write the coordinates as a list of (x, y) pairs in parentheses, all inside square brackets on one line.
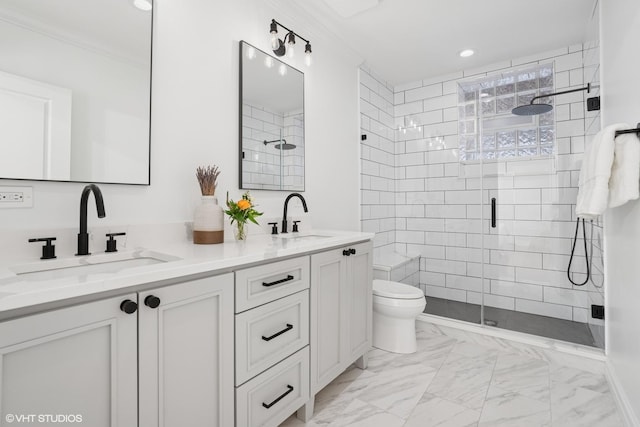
[(129, 306), (152, 301), (352, 251), (346, 252)]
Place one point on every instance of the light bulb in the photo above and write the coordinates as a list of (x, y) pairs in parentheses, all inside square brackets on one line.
[(290, 51), (274, 41), (307, 59)]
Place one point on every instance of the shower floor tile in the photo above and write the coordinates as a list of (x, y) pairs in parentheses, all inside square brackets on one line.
[(459, 382), (549, 327)]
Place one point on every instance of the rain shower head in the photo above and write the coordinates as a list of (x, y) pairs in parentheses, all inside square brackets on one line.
[(283, 145), (532, 109)]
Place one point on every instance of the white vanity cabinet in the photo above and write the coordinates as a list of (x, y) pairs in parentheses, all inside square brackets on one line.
[(341, 311), (166, 363), (78, 361), (272, 341), (186, 354)]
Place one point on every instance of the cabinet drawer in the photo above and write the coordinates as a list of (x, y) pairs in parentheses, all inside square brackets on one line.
[(269, 398), (269, 333), (259, 285)]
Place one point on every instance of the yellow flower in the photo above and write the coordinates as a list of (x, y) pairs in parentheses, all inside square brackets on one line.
[(244, 204)]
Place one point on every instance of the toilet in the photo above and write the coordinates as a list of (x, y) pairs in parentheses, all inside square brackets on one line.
[(395, 308)]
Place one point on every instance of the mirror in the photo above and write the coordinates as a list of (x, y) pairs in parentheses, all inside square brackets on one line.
[(271, 122), (75, 87)]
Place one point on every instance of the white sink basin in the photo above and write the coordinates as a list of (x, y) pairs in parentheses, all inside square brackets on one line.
[(296, 236), (91, 264)]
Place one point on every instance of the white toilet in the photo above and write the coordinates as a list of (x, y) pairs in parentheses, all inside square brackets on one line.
[(395, 308)]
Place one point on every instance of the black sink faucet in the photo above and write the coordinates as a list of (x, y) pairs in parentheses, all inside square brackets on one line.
[(83, 236), (286, 203)]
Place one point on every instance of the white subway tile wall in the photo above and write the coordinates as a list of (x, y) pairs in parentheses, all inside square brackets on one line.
[(263, 165), (432, 203)]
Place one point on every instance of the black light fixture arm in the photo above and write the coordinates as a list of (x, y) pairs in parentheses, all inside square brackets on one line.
[(273, 21), (588, 89)]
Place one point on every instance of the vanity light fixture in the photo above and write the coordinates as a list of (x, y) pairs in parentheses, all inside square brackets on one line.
[(286, 45), (145, 5)]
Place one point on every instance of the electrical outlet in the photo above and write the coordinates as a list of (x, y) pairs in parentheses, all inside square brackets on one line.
[(16, 197)]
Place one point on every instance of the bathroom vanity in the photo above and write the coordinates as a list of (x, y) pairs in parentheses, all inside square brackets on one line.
[(236, 334)]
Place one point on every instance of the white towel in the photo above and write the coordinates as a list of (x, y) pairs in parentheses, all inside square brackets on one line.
[(593, 184), (624, 184)]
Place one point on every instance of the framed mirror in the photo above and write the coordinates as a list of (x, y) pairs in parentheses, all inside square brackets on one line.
[(75, 90), (272, 142)]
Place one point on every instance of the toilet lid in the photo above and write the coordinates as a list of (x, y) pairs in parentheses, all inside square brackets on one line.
[(387, 289)]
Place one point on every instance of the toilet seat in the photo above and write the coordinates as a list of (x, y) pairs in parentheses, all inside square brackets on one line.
[(395, 290)]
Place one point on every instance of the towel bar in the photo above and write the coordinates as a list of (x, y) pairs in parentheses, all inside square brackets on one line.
[(636, 130)]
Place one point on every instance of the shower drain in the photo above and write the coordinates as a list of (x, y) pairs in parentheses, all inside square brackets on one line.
[(490, 322)]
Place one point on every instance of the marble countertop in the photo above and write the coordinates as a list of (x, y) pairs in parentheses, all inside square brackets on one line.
[(22, 294)]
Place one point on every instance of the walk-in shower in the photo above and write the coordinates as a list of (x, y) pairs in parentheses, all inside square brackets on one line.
[(486, 198)]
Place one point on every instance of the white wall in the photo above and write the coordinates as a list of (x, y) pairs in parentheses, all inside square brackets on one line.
[(195, 122), (620, 37)]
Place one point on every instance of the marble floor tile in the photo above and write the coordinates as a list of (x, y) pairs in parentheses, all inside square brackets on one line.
[(523, 375), (579, 407), (458, 378), (510, 409), (463, 380), (433, 411)]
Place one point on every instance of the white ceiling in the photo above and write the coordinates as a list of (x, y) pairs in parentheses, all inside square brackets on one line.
[(408, 40)]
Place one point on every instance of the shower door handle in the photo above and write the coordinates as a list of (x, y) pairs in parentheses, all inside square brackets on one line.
[(493, 212)]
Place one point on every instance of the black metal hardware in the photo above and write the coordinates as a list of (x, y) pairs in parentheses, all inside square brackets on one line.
[(152, 301), (353, 251), (83, 236), (277, 282), (129, 306), (346, 252), (636, 131), (274, 227), (48, 250), (593, 103), (112, 243), (597, 311), (286, 204), (269, 405), (363, 137), (295, 226), (277, 334), (493, 212)]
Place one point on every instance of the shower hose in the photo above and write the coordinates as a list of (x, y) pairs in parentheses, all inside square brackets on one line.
[(586, 254)]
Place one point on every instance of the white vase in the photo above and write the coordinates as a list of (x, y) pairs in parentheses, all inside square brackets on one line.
[(208, 222)]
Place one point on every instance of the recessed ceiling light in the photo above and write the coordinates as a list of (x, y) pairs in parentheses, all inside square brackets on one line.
[(466, 53), (143, 4)]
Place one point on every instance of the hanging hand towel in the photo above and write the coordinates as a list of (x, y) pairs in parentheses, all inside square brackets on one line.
[(624, 184), (593, 184)]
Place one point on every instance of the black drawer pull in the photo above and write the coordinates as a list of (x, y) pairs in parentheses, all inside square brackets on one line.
[(277, 282), (269, 405), (277, 334), (346, 252), (352, 251)]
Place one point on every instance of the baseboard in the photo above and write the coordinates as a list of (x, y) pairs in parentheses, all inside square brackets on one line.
[(630, 418)]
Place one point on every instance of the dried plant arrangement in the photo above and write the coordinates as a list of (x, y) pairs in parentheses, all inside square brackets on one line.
[(207, 178)]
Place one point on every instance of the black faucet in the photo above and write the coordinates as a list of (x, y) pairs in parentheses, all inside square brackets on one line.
[(286, 203), (83, 236)]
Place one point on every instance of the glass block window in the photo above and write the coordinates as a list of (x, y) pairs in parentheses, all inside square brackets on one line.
[(487, 130)]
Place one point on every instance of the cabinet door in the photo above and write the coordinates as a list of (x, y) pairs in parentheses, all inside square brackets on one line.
[(359, 300), (328, 314), (79, 361), (186, 354)]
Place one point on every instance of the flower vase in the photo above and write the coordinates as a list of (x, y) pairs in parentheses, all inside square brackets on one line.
[(240, 231), (208, 222)]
